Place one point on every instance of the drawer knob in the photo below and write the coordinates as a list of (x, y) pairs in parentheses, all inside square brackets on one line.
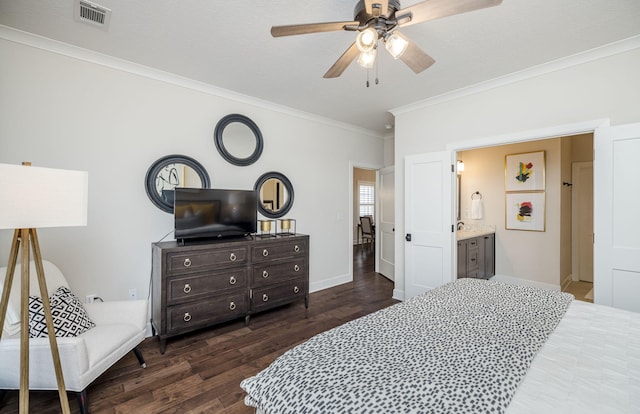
[(187, 262), (187, 288), (296, 248), (265, 252), (187, 317), (232, 280), (265, 274), (296, 268), (233, 257), (265, 297), (232, 306), (296, 289)]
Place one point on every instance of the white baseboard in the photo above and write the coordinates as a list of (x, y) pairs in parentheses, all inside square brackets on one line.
[(326, 284), (524, 282), (398, 294)]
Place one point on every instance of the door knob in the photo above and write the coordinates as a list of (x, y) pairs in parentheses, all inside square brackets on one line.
[(408, 237)]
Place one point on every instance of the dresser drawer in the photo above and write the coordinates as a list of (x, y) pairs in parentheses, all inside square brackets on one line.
[(197, 260), (274, 272), (274, 295), (194, 286), (192, 315), (284, 249)]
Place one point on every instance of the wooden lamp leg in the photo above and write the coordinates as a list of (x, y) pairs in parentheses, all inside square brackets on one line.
[(24, 323), (22, 236), (53, 343), (8, 280)]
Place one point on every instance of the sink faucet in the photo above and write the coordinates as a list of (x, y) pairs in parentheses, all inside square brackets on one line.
[(460, 225)]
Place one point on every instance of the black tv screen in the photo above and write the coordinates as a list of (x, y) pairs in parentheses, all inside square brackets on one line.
[(214, 213)]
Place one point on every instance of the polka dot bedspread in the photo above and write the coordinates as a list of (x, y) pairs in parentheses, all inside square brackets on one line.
[(460, 348)]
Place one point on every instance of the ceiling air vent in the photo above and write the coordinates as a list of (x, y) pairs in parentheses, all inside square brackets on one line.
[(91, 13)]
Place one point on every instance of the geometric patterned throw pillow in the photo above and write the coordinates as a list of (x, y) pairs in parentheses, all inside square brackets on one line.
[(69, 316)]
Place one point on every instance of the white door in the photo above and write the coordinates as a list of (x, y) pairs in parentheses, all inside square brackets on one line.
[(582, 220), (385, 227), (617, 198), (428, 221)]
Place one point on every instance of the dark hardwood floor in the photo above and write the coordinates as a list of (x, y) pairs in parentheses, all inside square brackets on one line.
[(201, 372)]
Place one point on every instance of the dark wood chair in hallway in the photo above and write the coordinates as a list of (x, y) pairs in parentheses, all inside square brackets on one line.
[(368, 233)]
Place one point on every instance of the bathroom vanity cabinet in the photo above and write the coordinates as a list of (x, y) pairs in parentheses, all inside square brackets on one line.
[(476, 256)]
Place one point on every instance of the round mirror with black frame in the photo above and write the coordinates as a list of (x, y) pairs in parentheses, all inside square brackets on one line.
[(275, 194), (238, 139), (170, 172)]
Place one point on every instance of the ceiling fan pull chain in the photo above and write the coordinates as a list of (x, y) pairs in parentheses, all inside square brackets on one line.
[(367, 77), (377, 61)]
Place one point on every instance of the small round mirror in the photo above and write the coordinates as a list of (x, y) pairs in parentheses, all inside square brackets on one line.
[(238, 139), (170, 172), (275, 195)]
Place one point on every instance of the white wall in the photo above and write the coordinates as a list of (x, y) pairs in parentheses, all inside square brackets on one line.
[(388, 151), (60, 110), (606, 87)]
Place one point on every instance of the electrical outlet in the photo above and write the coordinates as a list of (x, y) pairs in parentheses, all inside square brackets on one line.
[(90, 298), (133, 294)]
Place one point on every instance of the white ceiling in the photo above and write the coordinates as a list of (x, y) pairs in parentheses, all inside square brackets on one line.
[(227, 44)]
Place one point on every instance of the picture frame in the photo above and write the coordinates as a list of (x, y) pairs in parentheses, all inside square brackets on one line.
[(525, 210), (524, 171)]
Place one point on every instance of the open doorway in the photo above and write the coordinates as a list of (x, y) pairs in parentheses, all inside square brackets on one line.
[(364, 205), (547, 257)]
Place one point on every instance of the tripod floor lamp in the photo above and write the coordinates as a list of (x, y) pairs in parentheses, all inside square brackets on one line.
[(31, 198)]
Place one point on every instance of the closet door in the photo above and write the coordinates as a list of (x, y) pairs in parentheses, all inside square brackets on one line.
[(616, 202)]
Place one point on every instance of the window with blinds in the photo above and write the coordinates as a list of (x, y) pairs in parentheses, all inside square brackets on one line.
[(367, 196)]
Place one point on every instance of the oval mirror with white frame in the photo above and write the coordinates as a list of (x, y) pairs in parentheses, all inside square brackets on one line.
[(170, 172), (238, 139), (275, 194)]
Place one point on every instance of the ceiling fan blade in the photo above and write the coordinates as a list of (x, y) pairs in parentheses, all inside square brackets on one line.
[(341, 64), (436, 9), (414, 57), (383, 7), (296, 29)]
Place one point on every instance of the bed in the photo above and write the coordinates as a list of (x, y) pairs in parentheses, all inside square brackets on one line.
[(470, 346)]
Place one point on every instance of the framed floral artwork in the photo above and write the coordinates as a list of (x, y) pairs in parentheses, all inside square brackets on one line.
[(525, 211), (524, 172)]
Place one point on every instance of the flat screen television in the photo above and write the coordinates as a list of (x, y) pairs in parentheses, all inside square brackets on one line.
[(214, 213)]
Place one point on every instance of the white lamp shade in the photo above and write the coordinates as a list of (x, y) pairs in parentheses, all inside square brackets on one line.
[(35, 197)]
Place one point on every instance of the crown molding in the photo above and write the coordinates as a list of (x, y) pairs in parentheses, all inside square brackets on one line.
[(65, 49), (591, 55)]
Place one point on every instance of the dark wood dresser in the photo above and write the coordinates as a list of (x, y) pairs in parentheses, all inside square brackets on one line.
[(202, 284)]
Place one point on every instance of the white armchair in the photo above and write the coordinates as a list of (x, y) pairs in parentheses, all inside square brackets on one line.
[(120, 328)]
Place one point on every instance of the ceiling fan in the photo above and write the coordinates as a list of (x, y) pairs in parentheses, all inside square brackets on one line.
[(378, 20)]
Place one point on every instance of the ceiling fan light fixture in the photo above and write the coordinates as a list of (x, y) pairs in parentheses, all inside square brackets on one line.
[(396, 45), (367, 39), (367, 59)]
